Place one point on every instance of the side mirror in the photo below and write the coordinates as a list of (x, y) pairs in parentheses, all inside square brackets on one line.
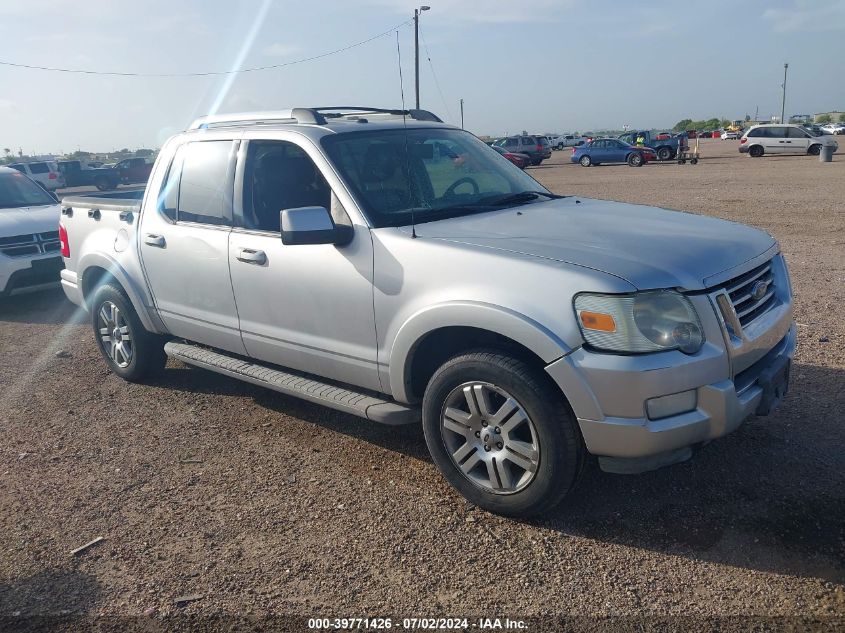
[(312, 225)]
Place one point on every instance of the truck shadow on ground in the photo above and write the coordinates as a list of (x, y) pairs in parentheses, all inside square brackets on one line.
[(47, 595), (769, 497), (47, 307)]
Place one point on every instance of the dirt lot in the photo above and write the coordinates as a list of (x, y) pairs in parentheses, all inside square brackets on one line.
[(262, 504)]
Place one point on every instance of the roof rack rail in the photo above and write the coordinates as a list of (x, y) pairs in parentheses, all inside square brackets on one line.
[(340, 111), (309, 116), (294, 115)]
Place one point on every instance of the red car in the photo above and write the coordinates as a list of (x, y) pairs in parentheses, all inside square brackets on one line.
[(134, 170), (520, 160)]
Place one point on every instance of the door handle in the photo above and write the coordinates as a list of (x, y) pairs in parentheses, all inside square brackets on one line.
[(155, 240), (251, 256)]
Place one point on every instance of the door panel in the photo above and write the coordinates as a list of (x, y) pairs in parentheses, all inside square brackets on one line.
[(306, 307), (184, 244), (797, 140), (775, 140)]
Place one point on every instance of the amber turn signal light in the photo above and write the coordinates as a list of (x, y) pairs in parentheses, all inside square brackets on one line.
[(597, 321)]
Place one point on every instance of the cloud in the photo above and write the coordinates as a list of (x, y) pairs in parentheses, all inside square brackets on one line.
[(7, 105), (808, 15), (489, 11), (279, 49)]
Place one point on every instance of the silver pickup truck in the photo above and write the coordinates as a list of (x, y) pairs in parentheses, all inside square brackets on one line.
[(394, 267)]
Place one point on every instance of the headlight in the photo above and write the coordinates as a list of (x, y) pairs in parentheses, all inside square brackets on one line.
[(638, 323)]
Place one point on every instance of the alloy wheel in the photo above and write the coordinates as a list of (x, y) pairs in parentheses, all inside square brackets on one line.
[(115, 336), (490, 437)]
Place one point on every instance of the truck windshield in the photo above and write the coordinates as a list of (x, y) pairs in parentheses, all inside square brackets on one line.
[(16, 190), (428, 174)]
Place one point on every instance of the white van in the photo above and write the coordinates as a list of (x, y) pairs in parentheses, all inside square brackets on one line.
[(783, 139)]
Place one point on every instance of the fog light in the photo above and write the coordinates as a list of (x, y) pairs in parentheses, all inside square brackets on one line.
[(666, 406)]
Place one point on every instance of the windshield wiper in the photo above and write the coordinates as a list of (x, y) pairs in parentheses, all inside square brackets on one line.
[(517, 198)]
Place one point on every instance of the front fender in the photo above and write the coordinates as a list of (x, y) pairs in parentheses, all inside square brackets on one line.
[(485, 316), (141, 300)]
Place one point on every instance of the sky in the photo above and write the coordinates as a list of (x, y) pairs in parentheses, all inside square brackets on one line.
[(535, 65)]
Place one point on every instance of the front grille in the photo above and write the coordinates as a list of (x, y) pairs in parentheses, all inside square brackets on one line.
[(741, 292), (30, 244)]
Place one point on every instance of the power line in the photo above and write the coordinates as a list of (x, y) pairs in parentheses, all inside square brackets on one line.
[(434, 74), (208, 73)]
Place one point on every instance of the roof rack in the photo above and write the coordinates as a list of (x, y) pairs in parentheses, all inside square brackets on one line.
[(307, 116)]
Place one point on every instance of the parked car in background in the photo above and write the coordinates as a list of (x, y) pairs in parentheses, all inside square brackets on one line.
[(611, 150), (520, 160), (78, 174), (834, 128), (814, 130), (523, 329), (665, 149), (532, 146), (728, 135), (783, 139), (662, 136), (45, 172), (705, 134), (29, 234), (133, 170), (568, 140)]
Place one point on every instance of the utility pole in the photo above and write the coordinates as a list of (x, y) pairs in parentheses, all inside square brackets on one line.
[(462, 114), (783, 103), (417, 50)]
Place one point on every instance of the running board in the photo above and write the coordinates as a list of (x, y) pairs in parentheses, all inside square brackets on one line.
[(363, 405)]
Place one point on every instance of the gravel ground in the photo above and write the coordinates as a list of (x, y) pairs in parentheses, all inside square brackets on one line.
[(259, 504)]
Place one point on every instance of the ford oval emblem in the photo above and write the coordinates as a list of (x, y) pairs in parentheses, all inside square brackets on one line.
[(758, 290)]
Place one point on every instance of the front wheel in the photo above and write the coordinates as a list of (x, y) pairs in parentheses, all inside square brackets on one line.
[(585, 161), (815, 150), (501, 434), (130, 351), (664, 153), (635, 160)]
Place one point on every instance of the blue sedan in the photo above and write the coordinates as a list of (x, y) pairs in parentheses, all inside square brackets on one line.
[(611, 150)]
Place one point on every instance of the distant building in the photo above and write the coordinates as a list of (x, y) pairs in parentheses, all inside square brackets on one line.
[(800, 118), (834, 116)]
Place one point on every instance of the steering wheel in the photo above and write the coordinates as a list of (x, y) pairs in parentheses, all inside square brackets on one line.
[(460, 181)]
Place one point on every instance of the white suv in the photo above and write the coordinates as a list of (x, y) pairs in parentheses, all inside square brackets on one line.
[(30, 256), (45, 172), (783, 139)]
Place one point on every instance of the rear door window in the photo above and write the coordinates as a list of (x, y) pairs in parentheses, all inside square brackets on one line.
[(39, 168), (205, 186)]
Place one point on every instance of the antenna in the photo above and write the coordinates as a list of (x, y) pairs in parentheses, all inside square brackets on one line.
[(407, 150)]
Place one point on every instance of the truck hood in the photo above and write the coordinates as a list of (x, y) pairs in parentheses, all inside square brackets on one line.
[(649, 247), (23, 220)]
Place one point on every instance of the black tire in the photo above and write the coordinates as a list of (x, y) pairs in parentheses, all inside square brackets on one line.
[(664, 153), (635, 159), (147, 355), (755, 151), (560, 448), (104, 184), (585, 161), (814, 150), (693, 161)]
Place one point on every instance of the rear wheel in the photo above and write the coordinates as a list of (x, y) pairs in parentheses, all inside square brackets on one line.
[(814, 150), (501, 434), (104, 184), (129, 350), (664, 153), (585, 161), (755, 151), (635, 159)]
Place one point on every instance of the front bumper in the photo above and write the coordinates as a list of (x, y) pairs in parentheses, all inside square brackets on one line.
[(721, 407), (27, 274)]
